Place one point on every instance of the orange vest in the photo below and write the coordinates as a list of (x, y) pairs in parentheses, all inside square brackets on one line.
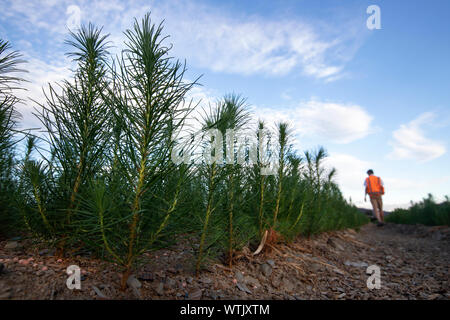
[(373, 186)]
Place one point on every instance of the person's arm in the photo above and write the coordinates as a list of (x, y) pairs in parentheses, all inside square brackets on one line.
[(365, 190)]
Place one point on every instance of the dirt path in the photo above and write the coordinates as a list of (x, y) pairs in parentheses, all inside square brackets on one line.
[(414, 262)]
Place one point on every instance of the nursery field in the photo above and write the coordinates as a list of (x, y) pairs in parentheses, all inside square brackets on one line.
[(125, 164), (155, 196)]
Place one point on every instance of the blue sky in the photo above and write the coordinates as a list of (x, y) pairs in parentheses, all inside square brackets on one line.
[(375, 99)]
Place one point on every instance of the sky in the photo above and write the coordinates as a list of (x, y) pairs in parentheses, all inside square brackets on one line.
[(375, 98)]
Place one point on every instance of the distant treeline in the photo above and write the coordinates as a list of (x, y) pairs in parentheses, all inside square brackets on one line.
[(426, 212)]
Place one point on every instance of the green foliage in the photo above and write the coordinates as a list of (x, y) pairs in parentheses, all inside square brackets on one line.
[(147, 98), (9, 117), (102, 178), (426, 212), (77, 131)]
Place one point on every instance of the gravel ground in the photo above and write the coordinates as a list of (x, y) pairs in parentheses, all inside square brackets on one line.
[(413, 260)]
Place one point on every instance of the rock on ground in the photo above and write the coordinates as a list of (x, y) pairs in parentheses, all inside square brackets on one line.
[(414, 262)]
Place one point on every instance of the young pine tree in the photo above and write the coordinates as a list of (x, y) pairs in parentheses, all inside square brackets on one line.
[(147, 96), (9, 116)]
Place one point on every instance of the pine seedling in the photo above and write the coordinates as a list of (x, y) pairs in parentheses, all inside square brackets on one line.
[(284, 148), (237, 117), (77, 122), (9, 117), (147, 96)]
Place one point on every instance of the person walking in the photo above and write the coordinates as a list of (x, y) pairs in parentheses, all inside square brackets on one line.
[(374, 187)]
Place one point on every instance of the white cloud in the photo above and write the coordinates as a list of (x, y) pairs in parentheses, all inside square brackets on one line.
[(322, 71), (34, 16), (410, 142), (341, 123), (350, 174), (208, 37), (249, 45), (211, 39), (336, 122), (39, 75)]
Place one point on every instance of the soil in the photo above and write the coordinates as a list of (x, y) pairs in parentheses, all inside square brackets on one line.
[(414, 263)]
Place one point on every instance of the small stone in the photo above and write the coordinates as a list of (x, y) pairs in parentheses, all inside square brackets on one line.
[(356, 264), (243, 287), (317, 267), (170, 283), (179, 267), (161, 274), (132, 282), (5, 295), (271, 263), (339, 271), (44, 252), (288, 286), (189, 280), (160, 289), (266, 269), (214, 295), (24, 262), (12, 245), (341, 295), (252, 282), (172, 270), (206, 281), (436, 236), (239, 276), (276, 282), (195, 295), (99, 293), (333, 243), (145, 276)]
